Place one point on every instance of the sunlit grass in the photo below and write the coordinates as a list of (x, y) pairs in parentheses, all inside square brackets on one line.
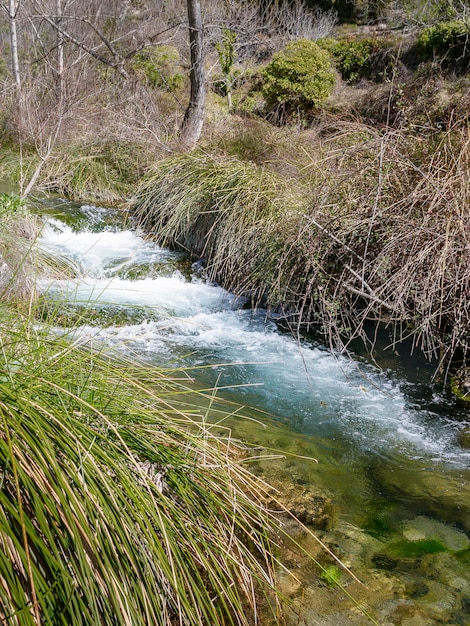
[(115, 506)]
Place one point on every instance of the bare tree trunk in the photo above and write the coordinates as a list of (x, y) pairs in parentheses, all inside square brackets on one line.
[(60, 50), (15, 64), (194, 116)]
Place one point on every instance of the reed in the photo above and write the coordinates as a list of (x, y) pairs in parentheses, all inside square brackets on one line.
[(221, 209), (21, 261)]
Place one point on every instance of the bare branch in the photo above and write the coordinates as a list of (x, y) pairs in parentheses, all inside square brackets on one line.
[(118, 60)]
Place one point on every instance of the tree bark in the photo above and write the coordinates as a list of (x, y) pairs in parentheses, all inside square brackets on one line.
[(194, 117), (15, 64), (60, 50)]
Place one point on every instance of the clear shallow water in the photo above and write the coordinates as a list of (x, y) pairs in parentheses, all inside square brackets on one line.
[(387, 447)]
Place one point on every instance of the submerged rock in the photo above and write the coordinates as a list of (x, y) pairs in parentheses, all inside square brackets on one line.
[(444, 495), (424, 528), (463, 438), (308, 506)]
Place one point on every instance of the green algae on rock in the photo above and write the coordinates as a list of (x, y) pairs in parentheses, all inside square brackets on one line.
[(460, 385)]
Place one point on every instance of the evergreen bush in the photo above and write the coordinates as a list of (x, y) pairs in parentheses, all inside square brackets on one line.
[(352, 56), (299, 77), (445, 42), (161, 67)]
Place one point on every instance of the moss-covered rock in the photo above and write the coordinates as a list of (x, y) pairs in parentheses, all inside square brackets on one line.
[(463, 438), (460, 385)]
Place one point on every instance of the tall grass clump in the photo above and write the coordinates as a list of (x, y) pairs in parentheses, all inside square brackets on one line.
[(98, 171), (116, 507), (221, 209), (394, 243), (21, 260), (18, 231), (103, 171)]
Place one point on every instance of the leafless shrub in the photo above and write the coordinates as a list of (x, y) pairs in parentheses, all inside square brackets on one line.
[(138, 117), (299, 21), (386, 240), (263, 30)]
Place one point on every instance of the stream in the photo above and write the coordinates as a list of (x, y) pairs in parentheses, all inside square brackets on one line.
[(380, 442)]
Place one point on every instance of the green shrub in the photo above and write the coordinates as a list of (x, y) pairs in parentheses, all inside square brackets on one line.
[(161, 67), (11, 205), (251, 104), (248, 95), (425, 12), (446, 42), (352, 56), (299, 77)]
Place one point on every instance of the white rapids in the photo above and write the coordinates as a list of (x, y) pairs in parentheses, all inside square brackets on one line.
[(192, 323)]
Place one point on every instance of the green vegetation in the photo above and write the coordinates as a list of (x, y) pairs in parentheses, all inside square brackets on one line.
[(346, 214), (352, 56), (18, 230), (331, 575), (12, 207), (117, 504), (334, 236), (406, 549), (226, 218), (298, 77), (161, 67), (104, 171), (226, 51), (446, 43), (459, 385)]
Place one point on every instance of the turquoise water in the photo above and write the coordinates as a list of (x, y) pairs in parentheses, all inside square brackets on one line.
[(385, 440)]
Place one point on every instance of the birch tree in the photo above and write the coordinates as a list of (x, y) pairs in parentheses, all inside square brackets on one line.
[(12, 12), (194, 117)]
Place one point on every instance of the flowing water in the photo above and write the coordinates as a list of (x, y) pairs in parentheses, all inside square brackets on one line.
[(387, 443)]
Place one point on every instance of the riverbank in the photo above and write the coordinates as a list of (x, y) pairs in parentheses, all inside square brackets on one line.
[(330, 228), (405, 539), (391, 531)]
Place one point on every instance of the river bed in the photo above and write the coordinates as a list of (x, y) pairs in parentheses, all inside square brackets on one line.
[(381, 445)]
